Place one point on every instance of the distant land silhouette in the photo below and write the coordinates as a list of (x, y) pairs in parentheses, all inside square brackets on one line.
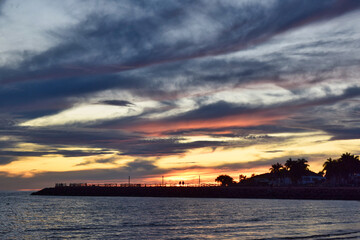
[(341, 172), (339, 180)]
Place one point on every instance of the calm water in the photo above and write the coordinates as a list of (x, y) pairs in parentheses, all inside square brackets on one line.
[(42, 217)]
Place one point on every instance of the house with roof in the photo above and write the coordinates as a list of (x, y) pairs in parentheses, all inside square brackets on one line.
[(276, 180)]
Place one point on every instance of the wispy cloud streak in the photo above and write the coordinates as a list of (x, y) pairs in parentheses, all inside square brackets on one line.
[(129, 84)]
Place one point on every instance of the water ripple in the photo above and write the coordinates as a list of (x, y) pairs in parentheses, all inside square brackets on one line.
[(44, 217)]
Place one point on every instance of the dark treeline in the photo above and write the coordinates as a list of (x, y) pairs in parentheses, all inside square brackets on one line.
[(344, 171)]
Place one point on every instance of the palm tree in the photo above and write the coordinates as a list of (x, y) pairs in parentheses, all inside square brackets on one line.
[(343, 169), (276, 168), (301, 165), (330, 166), (349, 164), (278, 172), (289, 163), (296, 169)]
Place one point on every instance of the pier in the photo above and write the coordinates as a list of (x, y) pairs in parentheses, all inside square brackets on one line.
[(59, 185), (203, 191)]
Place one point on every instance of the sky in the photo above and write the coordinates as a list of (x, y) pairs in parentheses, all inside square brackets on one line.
[(96, 91)]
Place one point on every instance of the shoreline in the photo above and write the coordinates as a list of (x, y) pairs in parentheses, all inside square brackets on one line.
[(311, 193)]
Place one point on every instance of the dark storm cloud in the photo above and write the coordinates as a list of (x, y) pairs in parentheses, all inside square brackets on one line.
[(344, 126), (335, 115), (38, 91), (165, 147), (121, 103), (79, 65), (139, 144), (6, 159), (274, 151), (51, 139), (73, 136), (224, 109), (352, 92), (341, 133), (142, 38), (103, 160), (9, 156), (65, 153), (2, 3), (109, 141), (124, 144), (46, 93), (140, 165), (34, 99), (164, 53), (7, 121), (304, 110)]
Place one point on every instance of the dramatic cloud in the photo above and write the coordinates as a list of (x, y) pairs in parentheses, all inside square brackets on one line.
[(106, 88)]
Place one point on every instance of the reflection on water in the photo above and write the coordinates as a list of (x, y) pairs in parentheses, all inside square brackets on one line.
[(41, 217)]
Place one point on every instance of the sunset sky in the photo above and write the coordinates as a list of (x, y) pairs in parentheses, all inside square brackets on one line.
[(96, 91)]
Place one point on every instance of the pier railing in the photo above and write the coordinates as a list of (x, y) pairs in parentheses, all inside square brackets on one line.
[(57, 185)]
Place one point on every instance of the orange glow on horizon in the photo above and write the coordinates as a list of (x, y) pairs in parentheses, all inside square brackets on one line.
[(155, 128), (207, 175)]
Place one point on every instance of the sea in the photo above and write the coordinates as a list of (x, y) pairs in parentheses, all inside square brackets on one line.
[(23, 216)]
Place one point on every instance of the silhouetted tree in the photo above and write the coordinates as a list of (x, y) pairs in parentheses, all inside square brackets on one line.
[(225, 180), (329, 169), (276, 168), (278, 172), (296, 169), (349, 164), (342, 170), (289, 164), (242, 178)]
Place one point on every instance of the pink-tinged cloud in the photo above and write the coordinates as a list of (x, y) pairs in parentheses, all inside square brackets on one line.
[(242, 120)]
